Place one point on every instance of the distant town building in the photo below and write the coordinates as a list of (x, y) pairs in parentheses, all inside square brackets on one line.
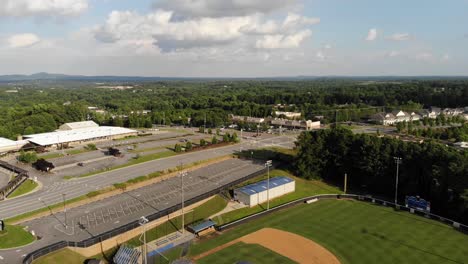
[(461, 144), (295, 124), (141, 112), (247, 119), (400, 116), (290, 115)]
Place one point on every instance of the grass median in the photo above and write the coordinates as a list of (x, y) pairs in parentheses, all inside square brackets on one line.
[(93, 195), (24, 188), (15, 236), (134, 161)]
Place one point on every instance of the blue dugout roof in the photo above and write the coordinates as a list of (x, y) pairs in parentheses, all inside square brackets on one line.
[(202, 226), (262, 185)]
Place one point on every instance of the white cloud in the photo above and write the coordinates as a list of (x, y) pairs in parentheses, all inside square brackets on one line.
[(42, 8), (320, 55), (283, 41), (372, 35), (220, 8), (22, 40), (399, 37), (393, 53), (167, 34), (424, 56), (327, 46), (445, 57)]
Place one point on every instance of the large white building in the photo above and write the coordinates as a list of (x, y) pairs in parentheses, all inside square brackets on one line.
[(78, 133), (257, 193), (7, 145)]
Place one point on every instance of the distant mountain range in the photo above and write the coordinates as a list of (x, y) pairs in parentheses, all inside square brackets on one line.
[(43, 76)]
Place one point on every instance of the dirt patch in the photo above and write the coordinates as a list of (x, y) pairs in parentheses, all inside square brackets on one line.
[(295, 247)]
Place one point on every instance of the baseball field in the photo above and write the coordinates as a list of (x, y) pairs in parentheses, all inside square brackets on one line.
[(336, 231)]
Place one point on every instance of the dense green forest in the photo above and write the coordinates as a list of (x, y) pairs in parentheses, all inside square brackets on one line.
[(431, 170), (35, 109)]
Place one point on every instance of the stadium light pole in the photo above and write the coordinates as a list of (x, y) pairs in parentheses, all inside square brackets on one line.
[(398, 161), (182, 174), (143, 221), (65, 210), (268, 165)]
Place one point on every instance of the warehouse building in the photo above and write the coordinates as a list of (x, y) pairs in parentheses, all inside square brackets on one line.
[(257, 193), (78, 133), (7, 145)]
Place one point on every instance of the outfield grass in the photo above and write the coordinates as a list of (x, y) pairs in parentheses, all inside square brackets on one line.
[(304, 188), (14, 236), (25, 187), (359, 232), (252, 253), (62, 256)]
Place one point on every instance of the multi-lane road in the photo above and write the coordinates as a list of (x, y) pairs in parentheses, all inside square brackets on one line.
[(97, 217), (52, 193)]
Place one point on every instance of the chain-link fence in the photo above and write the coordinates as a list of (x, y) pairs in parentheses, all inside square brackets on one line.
[(117, 231)]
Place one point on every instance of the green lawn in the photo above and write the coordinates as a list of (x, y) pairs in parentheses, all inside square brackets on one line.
[(25, 187), (304, 188), (14, 236), (62, 256), (359, 232), (78, 151), (52, 155), (251, 253)]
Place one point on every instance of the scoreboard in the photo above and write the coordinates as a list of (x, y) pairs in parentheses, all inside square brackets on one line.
[(418, 203)]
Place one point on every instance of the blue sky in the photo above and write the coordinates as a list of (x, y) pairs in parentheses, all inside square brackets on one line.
[(234, 38)]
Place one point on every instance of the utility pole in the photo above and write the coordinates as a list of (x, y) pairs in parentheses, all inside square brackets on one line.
[(142, 222), (182, 174), (345, 182), (268, 164), (204, 125), (398, 161), (65, 210), (240, 141)]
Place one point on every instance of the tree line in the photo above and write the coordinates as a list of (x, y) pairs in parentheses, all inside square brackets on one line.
[(433, 171), (40, 109)]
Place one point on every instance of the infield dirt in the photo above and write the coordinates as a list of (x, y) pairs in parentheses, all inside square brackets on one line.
[(290, 245)]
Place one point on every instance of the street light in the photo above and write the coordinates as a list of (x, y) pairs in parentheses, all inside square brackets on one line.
[(65, 210), (398, 161), (182, 174), (268, 164), (143, 221)]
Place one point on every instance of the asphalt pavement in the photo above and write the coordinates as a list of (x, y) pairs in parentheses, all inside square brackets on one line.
[(52, 192), (95, 218)]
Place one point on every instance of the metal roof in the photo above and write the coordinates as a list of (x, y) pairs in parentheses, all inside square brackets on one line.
[(126, 255), (202, 226), (262, 185), (4, 142), (78, 125), (46, 139)]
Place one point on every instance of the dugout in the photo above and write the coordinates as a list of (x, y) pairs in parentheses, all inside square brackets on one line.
[(202, 228)]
